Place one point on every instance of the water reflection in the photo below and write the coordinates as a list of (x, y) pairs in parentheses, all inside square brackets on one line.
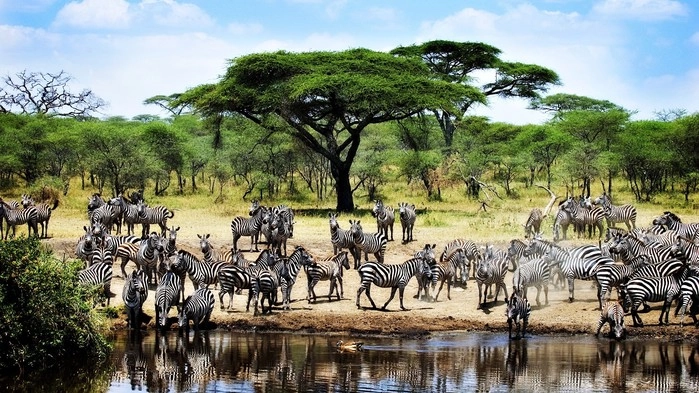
[(229, 361)]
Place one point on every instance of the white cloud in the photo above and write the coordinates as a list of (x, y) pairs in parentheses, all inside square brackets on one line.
[(103, 14), (244, 28), (170, 13), (645, 10)]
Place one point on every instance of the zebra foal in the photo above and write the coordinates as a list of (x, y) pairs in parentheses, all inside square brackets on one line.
[(517, 312), (613, 314)]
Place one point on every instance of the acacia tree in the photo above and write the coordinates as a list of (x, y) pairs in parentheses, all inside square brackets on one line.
[(327, 99), (455, 62), (45, 93)]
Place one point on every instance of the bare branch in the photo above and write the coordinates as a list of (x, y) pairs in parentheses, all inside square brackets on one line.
[(548, 207)]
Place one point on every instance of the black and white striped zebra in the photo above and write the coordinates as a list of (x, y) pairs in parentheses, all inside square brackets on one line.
[(100, 212), (385, 218), (166, 296), (265, 281), (689, 299), (127, 211), (374, 243), (407, 220), (340, 238), (653, 289), (517, 312), (666, 238), (14, 217), (591, 218), (279, 232), (515, 253), (662, 269), (615, 275), (196, 308), (612, 313), (150, 252), (287, 213), (200, 273), (534, 273), (43, 212), (171, 243), (471, 252), (395, 277), (241, 226), (617, 214), (231, 277), (671, 221), (211, 255), (134, 294), (446, 270), (11, 205), (580, 263), (424, 281), (153, 215), (490, 272), (86, 246), (629, 247), (533, 224), (98, 274), (561, 223), (331, 270), (298, 259)]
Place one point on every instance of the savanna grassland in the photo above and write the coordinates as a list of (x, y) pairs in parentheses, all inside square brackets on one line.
[(437, 223)]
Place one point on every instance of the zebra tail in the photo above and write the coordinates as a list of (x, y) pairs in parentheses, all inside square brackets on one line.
[(172, 213), (55, 204)]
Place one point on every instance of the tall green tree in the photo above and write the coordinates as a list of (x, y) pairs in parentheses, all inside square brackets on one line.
[(327, 99), (456, 62)]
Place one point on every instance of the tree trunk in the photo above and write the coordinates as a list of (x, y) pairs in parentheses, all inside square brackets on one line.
[(345, 200)]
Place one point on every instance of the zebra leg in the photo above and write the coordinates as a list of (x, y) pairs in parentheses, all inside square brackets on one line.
[(342, 291), (368, 295), (480, 296), (571, 290), (538, 292), (332, 288), (441, 284), (546, 294)]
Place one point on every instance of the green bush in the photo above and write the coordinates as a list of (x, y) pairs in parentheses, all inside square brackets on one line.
[(45, 315)]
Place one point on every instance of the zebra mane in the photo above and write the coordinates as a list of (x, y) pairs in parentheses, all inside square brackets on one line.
[(187, 254), (672, 216)]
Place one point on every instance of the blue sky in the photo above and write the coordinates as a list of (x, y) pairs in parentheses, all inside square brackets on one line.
[(640, 54)]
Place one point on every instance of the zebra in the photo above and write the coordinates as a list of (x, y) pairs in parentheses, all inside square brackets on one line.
[(666, 238), (287, 214), (561, 223), (471, 252), (127, 211), (653, 289), (687, 250), (662, 269), (395, 277), (578, 263), (210, 254), (533, 224), (517, 313), (341, 239), (515, 253), (241, 226), (385, 217), (581, 216), (134, 294), (615, 275), (166, 296), (615, 214), (171, 244), (200, 273), (128, 252), (446, 270), (424, 280), (265, 278), (15, 217), (99, 273), (374, 243), (279, 231), (488, 272), (100, 212), (149, 254), (407, 220), (12, 205), (298, 259), (534, 273), (613, 314), (689, 299), (670, 221), (629, 247), (86, 246), (231, 277), (153, 215), (196, 308), (43, 212), (327, 270)]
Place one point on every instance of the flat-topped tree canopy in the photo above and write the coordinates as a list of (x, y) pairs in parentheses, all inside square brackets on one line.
[(326, 99)]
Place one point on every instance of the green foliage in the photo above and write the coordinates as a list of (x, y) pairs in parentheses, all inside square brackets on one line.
[(45, 315)]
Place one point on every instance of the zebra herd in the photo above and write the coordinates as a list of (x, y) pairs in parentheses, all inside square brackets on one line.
[(26, 211)]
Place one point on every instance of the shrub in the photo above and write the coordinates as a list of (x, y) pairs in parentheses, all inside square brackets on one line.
[(45, 315)]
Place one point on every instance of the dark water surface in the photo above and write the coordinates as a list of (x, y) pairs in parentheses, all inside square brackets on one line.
[(464, 362)]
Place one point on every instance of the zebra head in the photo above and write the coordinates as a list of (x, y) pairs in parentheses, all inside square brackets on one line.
[(356, 229), (27, 201), (204, 244), (254, 207), (94, 202), (344, 260), (305, 259), (334, 225), (378, 208), (172, 237), (668, 220)]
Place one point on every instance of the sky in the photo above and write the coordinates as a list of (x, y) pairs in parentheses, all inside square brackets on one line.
[(642, 55)]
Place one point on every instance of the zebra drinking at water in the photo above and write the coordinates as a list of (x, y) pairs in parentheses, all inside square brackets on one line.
[(613, 314), (374, 243), (327, 270), (395, 277), (166, 296), (385, 217), (134, 294), (517, 313), (241, 226), (407, 220), (43, 212), (615, 214), (196, 308)]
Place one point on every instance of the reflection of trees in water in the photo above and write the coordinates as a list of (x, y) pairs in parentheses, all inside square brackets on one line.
[(285, 362)]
